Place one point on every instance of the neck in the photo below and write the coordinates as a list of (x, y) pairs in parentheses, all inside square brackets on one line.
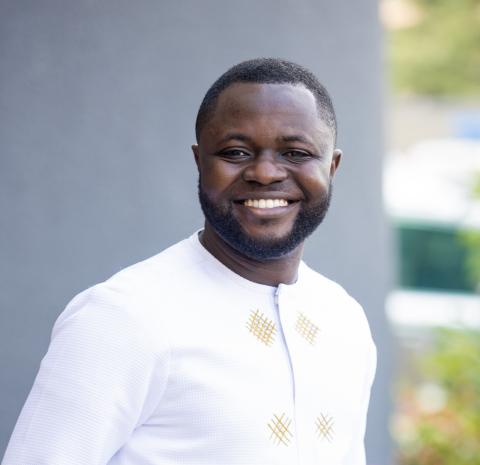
[(270, 272)]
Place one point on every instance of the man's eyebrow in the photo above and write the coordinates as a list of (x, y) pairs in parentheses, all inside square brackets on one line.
[(296, 138), (245, 138), (304, 140), (239, 136), (236, 136)]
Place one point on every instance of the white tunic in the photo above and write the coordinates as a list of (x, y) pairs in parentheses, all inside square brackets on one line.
[(178, 360)]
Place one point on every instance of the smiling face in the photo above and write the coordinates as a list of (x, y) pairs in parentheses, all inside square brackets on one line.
[(266, 160)]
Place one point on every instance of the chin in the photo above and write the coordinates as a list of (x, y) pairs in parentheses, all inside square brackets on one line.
[(267, 236), (261, 248)]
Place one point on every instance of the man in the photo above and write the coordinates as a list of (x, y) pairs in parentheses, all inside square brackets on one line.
[(225, 348)]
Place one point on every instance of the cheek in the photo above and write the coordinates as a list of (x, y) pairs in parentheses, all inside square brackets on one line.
[(314, 181), (217, 178)]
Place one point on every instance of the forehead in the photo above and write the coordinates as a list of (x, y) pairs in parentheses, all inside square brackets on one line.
[(266, 96), (267, 106)]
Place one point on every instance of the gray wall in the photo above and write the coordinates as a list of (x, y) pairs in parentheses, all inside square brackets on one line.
[(97, 104)]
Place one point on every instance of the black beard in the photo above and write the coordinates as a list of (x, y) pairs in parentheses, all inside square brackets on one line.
[(231, 231)]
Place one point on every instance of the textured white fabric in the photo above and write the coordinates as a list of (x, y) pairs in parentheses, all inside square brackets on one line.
[(178, 360)]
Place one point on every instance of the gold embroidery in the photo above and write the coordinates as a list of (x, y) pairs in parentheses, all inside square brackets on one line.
[(261, 327), (324, 425), (306, 328), (279, 428)]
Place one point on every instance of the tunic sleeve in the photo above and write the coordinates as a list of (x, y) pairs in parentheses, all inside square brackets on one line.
[(100, 378)]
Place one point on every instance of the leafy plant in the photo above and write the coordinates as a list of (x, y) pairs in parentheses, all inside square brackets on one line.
[(440, 53), (438, 422)]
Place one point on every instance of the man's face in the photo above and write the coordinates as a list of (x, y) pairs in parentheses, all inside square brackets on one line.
[(265, 160)]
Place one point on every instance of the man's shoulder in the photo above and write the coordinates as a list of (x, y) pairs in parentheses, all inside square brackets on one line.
[(163, 276), (141, 284), (318, 283), (159, 268), (331, 295)]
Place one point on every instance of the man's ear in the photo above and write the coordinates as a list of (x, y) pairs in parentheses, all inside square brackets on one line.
[(336, 157), (196, 154)]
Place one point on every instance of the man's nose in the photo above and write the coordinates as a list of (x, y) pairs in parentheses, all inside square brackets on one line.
[(265, 169)]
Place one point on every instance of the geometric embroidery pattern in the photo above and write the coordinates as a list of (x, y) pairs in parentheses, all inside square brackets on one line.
[(306, 328), (325, 427), (261, 327), (279, 426)]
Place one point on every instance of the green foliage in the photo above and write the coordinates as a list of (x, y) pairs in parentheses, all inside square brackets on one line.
[(471, 239), (440, 54), (445, 432), (454, 363)]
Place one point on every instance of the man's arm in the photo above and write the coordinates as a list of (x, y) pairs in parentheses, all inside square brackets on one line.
[(93, 387)]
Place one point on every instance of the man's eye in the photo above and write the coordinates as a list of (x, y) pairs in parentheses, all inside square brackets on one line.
[(297, 155), (235, 154)]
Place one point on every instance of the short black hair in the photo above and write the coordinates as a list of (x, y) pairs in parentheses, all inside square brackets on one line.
[(267, 71)]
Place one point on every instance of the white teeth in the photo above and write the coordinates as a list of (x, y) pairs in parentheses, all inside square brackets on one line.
[(265, 203)]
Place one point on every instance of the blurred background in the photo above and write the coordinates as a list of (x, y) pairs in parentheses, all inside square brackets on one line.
[(97, 108), (431, 186)]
